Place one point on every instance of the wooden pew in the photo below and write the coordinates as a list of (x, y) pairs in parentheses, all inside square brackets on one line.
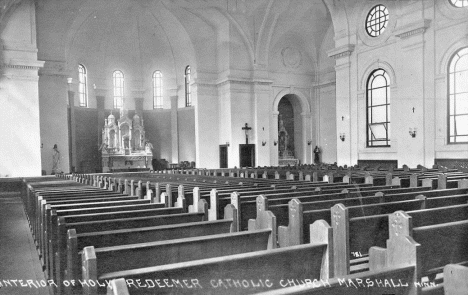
[(246, 204), (39, 199), (299, 218), (260, 236), (235, 274), (122, 223), (76, 242), (411, 253), (291, 234), (49, 210), (355, 235), (57, 239), (437, 245)]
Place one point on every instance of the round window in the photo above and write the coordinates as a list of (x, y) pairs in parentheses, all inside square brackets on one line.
[(459, 3), (377, 20)]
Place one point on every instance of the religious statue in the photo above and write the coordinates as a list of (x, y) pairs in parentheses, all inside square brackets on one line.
[(56, 160), (148, 147), (104, 146), (316, 155), (126, 142), (283, 138)]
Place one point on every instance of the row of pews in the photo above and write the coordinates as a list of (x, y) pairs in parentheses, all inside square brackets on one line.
[(192, 232)]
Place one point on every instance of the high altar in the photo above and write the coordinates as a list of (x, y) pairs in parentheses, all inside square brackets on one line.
[(124, 145)]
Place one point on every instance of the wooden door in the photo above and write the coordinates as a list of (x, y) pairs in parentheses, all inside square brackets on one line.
[(247, 155), (223, 156)]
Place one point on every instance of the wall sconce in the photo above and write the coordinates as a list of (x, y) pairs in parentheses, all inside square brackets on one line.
[(227, 143), (263, 143), (342, 136), (412, 132), (309, 142), (69, 82), (275, 142)]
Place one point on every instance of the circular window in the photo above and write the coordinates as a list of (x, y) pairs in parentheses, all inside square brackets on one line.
[(377, 20), (459, 3)]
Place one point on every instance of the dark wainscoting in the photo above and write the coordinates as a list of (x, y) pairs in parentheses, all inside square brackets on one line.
[(381, 163), (460, 164)]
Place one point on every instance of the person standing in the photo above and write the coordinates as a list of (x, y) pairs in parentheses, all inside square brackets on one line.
[(56, 160), (317, 155)]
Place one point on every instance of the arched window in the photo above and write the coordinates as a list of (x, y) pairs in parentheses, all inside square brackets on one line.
[(378, 109), (458, 97), (82, 86), (377, 20), (188, 97), (157, 90), (118, 89), (459, 3)]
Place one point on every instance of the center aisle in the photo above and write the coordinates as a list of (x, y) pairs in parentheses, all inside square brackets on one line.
[(19, 259)]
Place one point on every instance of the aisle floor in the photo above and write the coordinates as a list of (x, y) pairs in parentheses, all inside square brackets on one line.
[(19, 259)]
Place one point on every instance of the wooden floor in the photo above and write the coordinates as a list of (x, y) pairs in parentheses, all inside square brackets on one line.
[(18, 256)]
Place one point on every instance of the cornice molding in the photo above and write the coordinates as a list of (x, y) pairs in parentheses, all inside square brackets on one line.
[(342, 51), (54, 68), (325, 84), (413, 29), (261, 82), (23, 64)]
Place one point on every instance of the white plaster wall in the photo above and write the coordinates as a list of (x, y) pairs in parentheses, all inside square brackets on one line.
[(206, 126), (20, 145), (414, 50), (53, 99)]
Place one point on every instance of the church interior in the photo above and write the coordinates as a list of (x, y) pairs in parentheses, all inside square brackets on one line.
[(132, 99)]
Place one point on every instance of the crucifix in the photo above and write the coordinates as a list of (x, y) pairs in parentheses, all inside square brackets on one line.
[(246, 128)]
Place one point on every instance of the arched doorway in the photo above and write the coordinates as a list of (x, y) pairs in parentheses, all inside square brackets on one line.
[(290, 130)]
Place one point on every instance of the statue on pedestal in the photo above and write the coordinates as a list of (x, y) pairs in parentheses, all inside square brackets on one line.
[(283, 139), (56, 160), (317, 155)]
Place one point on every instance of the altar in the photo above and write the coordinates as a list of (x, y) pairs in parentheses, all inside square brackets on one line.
[(124, 144)]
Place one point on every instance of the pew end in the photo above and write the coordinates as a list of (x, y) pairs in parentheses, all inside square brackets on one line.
[(265, 220), (230, 212), (117, 287), (377, 258), (340, 223), (455, 279), (292, 234), (181, 203), (89, 263), (213, 210), (322, 233)]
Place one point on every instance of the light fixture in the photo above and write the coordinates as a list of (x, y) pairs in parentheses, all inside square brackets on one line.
[(70, 83), (227, 143), (263, 143), (309, 142), (342, 136), (275, 143), (412, 132)]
